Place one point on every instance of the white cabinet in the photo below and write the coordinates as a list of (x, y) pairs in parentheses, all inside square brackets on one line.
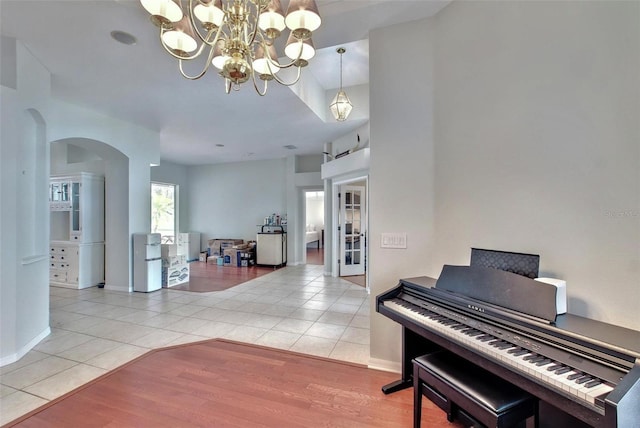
[(60, 194), (74, 265), (77, 230), (77, 214), (271, 249)]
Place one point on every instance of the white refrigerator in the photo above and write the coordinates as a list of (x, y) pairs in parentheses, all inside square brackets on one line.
[(147, 262)]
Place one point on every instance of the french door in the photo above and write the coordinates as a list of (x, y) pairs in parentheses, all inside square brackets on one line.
[(352, 230)]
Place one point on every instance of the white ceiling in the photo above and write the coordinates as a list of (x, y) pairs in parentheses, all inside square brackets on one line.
[(142, 84)]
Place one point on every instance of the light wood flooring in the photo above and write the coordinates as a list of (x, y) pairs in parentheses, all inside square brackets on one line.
[(205, 277), (220, 383)]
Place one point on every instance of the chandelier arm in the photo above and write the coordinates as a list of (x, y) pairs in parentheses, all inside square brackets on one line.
[(255, 82), (179, 57), (255, 85), (254, 32), (271, 62), (197, 31), (282, 82), (204, 70)]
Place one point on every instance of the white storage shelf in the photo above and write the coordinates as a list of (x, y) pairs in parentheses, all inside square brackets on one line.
[(77, 230)]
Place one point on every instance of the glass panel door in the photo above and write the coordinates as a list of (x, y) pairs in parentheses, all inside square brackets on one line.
[(75, 208), (352, 232)]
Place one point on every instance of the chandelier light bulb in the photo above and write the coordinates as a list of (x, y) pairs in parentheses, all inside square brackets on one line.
[(162, 12), (210, 14)]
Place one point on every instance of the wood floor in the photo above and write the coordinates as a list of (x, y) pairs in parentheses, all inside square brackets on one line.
[(315, 256), (205, 277), (220, 383)]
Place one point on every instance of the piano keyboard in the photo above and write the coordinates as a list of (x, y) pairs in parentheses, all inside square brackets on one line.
[(574, 382)]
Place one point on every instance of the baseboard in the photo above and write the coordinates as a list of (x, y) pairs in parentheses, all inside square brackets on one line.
[(385, 365), (26, 348)]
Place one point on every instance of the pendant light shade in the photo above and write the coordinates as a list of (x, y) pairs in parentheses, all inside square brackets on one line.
[(341, 106)]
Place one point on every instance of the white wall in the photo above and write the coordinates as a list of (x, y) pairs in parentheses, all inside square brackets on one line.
[(128, 150), (230, 200), (401, 190), (534, 132), (350, 140), (538, 144), (24, 210), (31, 120)]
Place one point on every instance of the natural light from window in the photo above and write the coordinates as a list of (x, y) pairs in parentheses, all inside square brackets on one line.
[(163, 219)]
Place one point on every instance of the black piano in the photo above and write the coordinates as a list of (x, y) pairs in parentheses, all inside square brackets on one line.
[(507, 324)]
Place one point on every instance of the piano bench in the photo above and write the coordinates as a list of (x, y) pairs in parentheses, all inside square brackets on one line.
[(469, 393)]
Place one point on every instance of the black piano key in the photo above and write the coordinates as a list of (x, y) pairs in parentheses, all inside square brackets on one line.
[(473, 332), (485, 338), (554, 367), (575, 376), (583, 379), (501, 344), (563, 370), (536, 359), (531, 357), (543, 362), (459, 327), (592, 383), (520, 352)]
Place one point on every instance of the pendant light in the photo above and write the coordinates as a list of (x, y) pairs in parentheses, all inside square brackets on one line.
[(341, 105)]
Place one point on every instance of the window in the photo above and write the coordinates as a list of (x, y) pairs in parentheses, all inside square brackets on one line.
[(163, 211)]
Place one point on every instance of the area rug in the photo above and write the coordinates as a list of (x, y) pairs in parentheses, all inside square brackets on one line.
[(205, 277), (220, 383)]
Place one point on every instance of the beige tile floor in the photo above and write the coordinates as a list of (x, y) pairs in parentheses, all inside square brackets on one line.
[(94, 330)]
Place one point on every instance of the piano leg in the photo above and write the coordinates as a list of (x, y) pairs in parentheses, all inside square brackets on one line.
[(413, 345), (397, 385)]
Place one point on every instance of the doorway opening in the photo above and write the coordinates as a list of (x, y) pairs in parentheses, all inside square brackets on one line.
[(314, 227), (350, 230)]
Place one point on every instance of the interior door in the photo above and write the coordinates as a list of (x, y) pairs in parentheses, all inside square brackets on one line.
[(352, 230)]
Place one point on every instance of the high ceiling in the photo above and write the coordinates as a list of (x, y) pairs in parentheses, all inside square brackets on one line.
[(142, 84)]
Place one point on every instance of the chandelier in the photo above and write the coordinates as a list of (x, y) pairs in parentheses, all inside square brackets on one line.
[(236, 37), (341, 105)]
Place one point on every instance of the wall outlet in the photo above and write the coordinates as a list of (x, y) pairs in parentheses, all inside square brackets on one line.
[(393, 240)]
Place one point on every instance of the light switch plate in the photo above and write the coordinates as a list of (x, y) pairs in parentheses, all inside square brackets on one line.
[(393, 240)]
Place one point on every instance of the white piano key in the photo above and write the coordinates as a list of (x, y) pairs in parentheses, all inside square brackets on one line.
[(466, 336)]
